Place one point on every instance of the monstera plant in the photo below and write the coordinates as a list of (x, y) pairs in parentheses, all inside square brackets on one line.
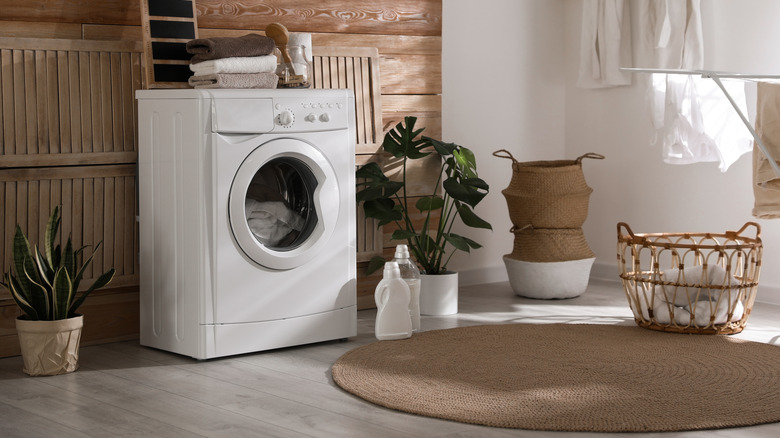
[(457, 192), (45, 286)]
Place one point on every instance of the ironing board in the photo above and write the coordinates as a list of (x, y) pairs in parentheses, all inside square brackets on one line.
[(717, 76)]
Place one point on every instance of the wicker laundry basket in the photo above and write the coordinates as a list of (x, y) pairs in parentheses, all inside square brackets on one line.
[(547, 194), (702, 283), (549, 245)]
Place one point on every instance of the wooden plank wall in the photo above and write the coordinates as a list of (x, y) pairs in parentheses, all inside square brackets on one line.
[(407, 34)]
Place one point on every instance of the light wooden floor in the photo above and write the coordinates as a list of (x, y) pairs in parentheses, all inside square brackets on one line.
[(125, 390)]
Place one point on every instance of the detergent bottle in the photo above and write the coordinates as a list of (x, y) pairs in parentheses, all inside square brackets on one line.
[(392, 297), (411, 275)]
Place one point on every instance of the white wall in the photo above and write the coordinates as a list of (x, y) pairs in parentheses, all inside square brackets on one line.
[(539, 113), (633, 184), (503, 89)]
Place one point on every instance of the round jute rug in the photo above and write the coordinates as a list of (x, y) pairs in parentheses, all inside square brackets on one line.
[(570, 377)]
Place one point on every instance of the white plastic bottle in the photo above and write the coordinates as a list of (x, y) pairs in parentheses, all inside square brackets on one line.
[(411, 275), (392, 306)]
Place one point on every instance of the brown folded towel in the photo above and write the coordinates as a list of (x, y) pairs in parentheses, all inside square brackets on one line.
[(235, 80), (766, 185), (251, 44)]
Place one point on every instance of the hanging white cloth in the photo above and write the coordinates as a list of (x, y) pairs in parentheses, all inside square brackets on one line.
[(670, 34), (605, 44), (693, 119)]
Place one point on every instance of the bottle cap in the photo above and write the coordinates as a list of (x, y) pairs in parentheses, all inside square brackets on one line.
[(401, 251), (391, 270)]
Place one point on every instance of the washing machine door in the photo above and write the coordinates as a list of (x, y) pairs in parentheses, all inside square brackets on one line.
[(283, 204)]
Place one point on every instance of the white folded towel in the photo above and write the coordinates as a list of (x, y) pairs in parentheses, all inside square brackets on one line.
[(250, 64)]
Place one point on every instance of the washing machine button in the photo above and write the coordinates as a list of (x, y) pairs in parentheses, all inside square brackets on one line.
[(286, 118), (310, 118), (325, 117)]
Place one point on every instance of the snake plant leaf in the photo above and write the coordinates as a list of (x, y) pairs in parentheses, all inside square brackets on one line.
[(38, 294), (430, 203), (69, 259), (61, 293), (471, 219), (101, 281), (80, 273), (45, 270), (23, 259), (50, 234), (13, 286)]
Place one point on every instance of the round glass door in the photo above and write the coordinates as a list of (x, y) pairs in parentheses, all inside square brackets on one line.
[(283, 204)]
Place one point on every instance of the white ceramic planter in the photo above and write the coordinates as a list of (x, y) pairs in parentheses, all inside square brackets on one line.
[(439, 294), (50, 347), (551, 280)]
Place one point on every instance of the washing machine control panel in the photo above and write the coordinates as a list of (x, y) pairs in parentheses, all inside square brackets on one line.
[(314, 114)]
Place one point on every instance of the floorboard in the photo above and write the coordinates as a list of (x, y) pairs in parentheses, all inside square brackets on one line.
[(126, 390)]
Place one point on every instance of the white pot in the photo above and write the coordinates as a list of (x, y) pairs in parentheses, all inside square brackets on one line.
[(439, 294), (50, 347), (549, 280)]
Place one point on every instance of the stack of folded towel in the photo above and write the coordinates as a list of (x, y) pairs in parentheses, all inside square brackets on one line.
[(233, 62)]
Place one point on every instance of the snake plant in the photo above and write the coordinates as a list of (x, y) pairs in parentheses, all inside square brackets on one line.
[(456, 193), (45, 285)]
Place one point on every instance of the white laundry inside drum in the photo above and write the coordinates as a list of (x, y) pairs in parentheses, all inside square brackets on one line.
[(279, 204)]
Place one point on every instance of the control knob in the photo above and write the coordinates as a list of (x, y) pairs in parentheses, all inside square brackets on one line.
[(286, 118), (324, 117)]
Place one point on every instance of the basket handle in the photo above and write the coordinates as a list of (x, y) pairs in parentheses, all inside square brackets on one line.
[(628, 230), (515, 228), (503, 153), (593, 155), (734, 234)]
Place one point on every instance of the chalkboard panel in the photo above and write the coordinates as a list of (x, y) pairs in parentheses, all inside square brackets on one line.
[(171, 29), (163, 50), (171, 8), (167, 27)]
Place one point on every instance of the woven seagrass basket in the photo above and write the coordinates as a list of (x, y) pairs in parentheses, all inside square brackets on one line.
[(549, 244), (703, 283), (554, 211), (547, 194)]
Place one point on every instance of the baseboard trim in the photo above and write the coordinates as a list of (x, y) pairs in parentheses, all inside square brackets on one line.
[(604, 272)]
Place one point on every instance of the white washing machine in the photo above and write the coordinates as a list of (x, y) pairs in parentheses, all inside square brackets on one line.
[(246, 218)]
